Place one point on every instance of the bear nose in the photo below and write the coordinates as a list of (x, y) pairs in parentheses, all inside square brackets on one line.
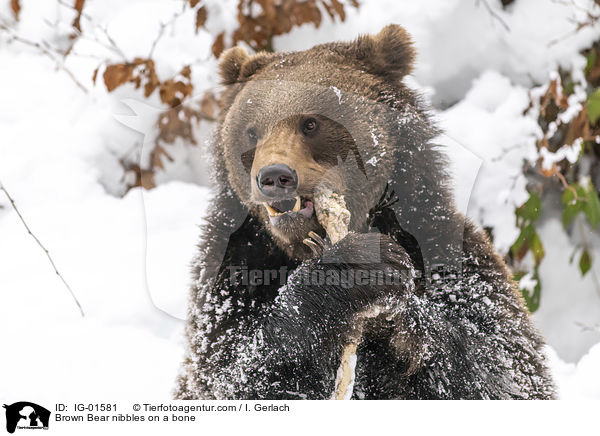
[(277, 181)]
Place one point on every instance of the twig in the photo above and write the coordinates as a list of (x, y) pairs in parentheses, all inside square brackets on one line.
[(162, 28), (112, 42), (112, 45), (14, 206), (47, 52), (564, 182), (591, 21), (494, 14), (504, 151)]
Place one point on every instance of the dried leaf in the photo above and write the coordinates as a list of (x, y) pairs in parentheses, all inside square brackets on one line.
[(578, 127), (339, 9), (555, 89), (78, 6), (151, 84), (219, 44), (186, 72), (117, 75), (15, 7), (209, 106), (201, 16), (146, 179)]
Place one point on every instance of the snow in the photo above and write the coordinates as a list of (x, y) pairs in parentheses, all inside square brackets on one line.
[(569, 152), (127, 255), (502, 140)]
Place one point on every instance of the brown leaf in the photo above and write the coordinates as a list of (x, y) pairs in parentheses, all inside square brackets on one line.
[(209, 106), (151, 84), (157, 154), (184, 88), (329, 10), (15, 7), (167, 91), (201, 16), (145, 179), (177, 123), (117, 75), (593, 71), (186, 72), (559, 97), (339, 9), (219, 44), (78, 6), (193, 3), (579, 127)]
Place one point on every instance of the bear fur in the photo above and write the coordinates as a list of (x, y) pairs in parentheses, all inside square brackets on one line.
[(454, 327)]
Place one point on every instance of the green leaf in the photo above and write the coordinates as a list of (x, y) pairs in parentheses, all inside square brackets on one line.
[(585, 262), (519, 275), (568, 196), (590, 61), (537, 248), (593, 106), (568, 88), (531, 209), (521, 245), (569, 213), (533, 299), (574, 200), (571, 205), (592, 206)]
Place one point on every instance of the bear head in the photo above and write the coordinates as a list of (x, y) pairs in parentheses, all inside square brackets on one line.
[(336, 116)]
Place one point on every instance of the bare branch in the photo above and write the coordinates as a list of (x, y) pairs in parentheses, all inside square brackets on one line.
[(46, 51), (494, 14), (14, 206), (162, 28), (591, 20), (112, 45)]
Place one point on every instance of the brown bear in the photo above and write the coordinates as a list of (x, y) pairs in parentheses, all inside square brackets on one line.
[(420, 292)]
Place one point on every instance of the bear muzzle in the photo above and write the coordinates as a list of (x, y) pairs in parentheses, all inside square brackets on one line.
[(295, 208)]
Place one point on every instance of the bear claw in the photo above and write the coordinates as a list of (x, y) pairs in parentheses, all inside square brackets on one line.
[(315, 243)]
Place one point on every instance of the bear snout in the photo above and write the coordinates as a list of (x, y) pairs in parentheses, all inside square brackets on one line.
[(277, 181)]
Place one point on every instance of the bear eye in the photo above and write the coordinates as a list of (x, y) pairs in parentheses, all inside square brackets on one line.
[(252, 136), (310, 126), (248, 159)]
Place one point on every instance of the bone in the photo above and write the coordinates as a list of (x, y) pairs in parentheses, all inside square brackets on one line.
[(344, 382), (332, 213), (346, 373), (334, 216)]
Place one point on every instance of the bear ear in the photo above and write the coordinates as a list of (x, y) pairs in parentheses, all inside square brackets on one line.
[(230, 64), (235, 65), (390, 53)]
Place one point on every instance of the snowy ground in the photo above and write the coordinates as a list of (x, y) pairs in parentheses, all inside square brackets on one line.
[(127, 258)]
